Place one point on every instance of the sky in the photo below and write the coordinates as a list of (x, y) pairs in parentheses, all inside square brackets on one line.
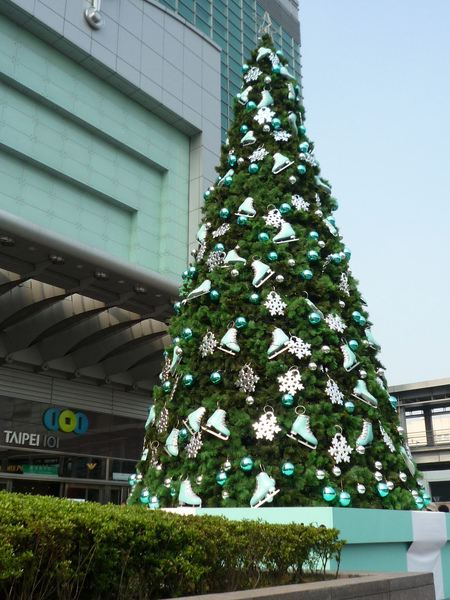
[(376, 87)]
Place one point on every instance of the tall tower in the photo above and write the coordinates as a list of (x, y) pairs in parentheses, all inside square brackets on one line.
[(235, 26)]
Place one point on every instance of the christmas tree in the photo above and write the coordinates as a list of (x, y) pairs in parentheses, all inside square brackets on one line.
[(272, 390)]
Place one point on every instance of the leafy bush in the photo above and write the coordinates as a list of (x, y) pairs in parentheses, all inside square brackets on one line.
[(56, 549)]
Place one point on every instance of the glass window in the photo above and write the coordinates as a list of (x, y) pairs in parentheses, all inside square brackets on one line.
[(219, 40), (440, 418), (223, 94), (235, 31), (168, 4), (220, 5), (188, 3), (205, 27), (186, 12), (235, 59), (203, 14), (205, 5), (220, 28), (415, 428)]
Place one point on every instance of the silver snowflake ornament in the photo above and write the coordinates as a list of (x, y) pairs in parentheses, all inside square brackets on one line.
[(194, 446), (299, 203), (310, 158), (215, 259), (290, 382), (208, 344), (258, 154), (264, 115), (343, 284), (298, 347), (333, 392), (252, 74), (267, 426), (201, 251), (386, 439), (281, 136), (318, 200), (339, 449), (275, 304), (221, 230), (161, 425), (247, 379), (335, 323), (274, 59), (274, 218)]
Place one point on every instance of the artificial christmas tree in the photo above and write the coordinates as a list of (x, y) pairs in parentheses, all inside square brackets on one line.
[(272, 390)]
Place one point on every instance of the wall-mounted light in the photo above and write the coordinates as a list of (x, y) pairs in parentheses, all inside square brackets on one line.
[(7, 241), (93, 15), (140, 289), (101, 275), (56, 259)]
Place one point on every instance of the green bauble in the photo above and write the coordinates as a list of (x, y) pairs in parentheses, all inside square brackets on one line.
[(145, 495), (287, 400), (188, 380), (214, 295), (223, 213), (362, 321), (301, 169), (313, 235), (347, 252), (287, 469), (176, 340), (393, 402), (132, 479), (245, 68), (250, 105), (276, 123), (285, 208), (312, 256), (314, 318), (177, 307), (246, 464), (349, 406), (356, 316), (426, 499), (184, 274), (353, 345), (307, 274), (254, 299), (221, 478), (232, 160), (187, 333), (219, 248), (206, 194), (192, 272), (303, 147), (263, 237), (215, 377), (153, 502), (243, 129), (228, 180), (382, 489), (253, 168), (241, 220), (419, 502), (276, 69), (166, 386), (302, 129), (336, 259), (183, 434), (328, 493), (344, 498), (240, 322), (272, 256)]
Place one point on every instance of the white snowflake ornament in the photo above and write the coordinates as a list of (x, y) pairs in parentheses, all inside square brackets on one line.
[(290, 382), (247, 379), (281, 136), (298, 347), (201, 251), (194, 446), (333, 392), (258, 154), (335, 323), (221, 230), (215, 259), (208, 344), (386, 439), (339, 449), (264, 115), (318, 200), (267, 426), (343, 284), (299, 203), (274, 218), (275, 304), (274, 59), (252, 74)]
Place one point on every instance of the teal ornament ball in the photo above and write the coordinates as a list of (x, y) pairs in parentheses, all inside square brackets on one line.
[(285, 208), (336, 259), (241, 221), (240, 322), (184, 274), (153, 502), (263, 237), (313, 235), (301, 169), (253, 168), (132, 479), (419, 502), (219, 248), (280, 53), (303, 147), (245, 68), (254, 299), (250, 105), (176, 340), (328, 493), (183, 434), (232, 160), (287, 469), (331, 220), (145, 495), (344, 498), (287, 400), (272, 256), (276, 123), (335, 205), (206, 194), (314, 318), (312, 256), (243, 129), (187, 333), (426, 499), (188, 380), (276, 69), (166, 386), (302, 129), (221, 477), (307, 274), (353, 344), (214, 295), (177, 307), (215, 377), (356, 315), (349, 406), (173, 492), (192, 272), (224, 213), (246, 464), (382, 489), (362, 321), (228, 180), (347, 252), (393, 402)]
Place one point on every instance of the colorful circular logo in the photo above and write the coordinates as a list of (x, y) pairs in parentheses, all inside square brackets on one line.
[(66, 421)]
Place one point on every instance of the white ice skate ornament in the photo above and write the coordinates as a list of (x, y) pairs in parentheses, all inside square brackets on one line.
[(333, 392), (298, 347), (252, 74), (339, 449), (274, 218), (275, 304), (221, 230), (281, 136), (290, 382), (264, 115), (208, 344), (267, 426), (247, 379), (194, 446), (299, 203), (343, 284), (335, 323), (215, 259), (258, 154), (161, 425), (386, 439)]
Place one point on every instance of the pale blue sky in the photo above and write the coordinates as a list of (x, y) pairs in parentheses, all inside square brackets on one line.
[(376, 86)]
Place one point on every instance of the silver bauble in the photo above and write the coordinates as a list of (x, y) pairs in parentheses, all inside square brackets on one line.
[(234, 273), (414, 493), (302, 156), (349, 272), (199, 479), (319, 213), (312, 366), (226, 465), (380, 371), (194, 252), (158, 468), (211, 189), (240, 160), (167, 482), (400, 430), (336, 471), (326, 349), (320, 474), (266, 128), (279, 278), (365, 342), (390, 485), (402, 476), (139, 477), (267, 80), (378, 465), (291, 262), (292, 179), (360, 488), (249, 400), (378, 476), (360, 450), (225, 494), (341, 303), (363, 374), (343, 255), (321, 244), (207, 225), (341, 237)]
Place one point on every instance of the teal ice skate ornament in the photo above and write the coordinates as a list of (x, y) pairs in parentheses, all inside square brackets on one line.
[(273, 370)]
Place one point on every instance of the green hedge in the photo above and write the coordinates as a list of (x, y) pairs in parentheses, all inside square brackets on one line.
[(59, 549)]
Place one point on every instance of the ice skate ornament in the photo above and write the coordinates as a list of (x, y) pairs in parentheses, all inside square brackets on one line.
[(264, 115), (335, 323), (279, 343), (194, 446), (261, 273), (161, 425), (220, 231), (265, 490), (339, 449), (246, 209), (275, 304), (267, 426), (259, 154), (171, 445), (366, 437), (194, 418), (151, 418), (202, 232), (386, 438), (216, 426), (201, 290), (301, 430), (252, 74), (176, 359), (281, 136), (229, 343), (333, 392), (187, 496), (286, 234), (274, 218), (208, 344), (247, 379), (290, 382), (314, 308), (299, 203), (350, 361), (343, 284), (361, 392), (298, 347), (215, 259), (407, 457)]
